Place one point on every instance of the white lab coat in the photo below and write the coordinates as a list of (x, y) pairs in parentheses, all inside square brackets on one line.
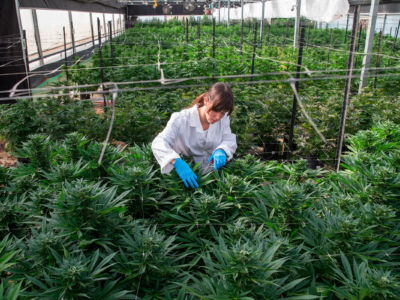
[(185, 136)]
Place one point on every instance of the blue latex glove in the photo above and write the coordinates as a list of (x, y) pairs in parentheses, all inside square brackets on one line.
[(188, 177), (219, 158)]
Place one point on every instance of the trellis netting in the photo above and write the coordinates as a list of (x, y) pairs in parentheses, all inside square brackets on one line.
[(316, 10)]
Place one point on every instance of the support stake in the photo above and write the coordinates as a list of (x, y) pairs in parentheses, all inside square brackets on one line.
[(339, 145), (294, 105), (65, 54), (37, 36), (368, 44), (71, 26), (254, 50), (330, 46), (397, 33), (111, 44), (241, 31), (101, 62), (377, 58), (187, 30), (91, 29)]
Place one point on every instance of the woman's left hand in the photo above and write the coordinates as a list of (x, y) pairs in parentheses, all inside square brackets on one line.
[(219, 158)]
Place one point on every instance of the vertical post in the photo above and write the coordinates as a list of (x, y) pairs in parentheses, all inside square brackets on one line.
[(377, 58), (37, 36), (101, 61), (187, 30), (286, 33), (111, 45), (358, 43), (294, 105), (213, 50), (241, 31), (339, 145), (105, 26), (262, 22), (330, 46), (198, 28), (113, 25), (396, 35), (254, 50), (71, 26), (229, 12), (297, 24), (384, 24), (269, 33), (308, 34), (347, 26), (91, 28), (373, 13), (26, 57), (65, 54), (219, 11)]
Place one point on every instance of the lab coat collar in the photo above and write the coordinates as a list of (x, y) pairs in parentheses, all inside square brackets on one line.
[(195, 118)]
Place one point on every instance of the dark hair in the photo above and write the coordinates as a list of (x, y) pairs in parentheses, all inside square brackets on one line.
[(220, 96)]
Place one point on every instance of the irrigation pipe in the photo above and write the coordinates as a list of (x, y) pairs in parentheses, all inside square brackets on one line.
[(194, 86), (305, 112), (114, 99)]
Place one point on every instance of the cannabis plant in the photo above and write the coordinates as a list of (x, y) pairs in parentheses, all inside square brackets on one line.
[(90, 213)]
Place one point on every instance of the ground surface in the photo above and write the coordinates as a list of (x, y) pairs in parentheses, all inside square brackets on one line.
[(6, 159)]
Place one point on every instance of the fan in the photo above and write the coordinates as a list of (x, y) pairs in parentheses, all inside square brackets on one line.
[(189, 5), (166, 9)]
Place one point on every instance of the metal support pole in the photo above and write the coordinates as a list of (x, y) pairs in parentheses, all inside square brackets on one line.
[(219, 11), (358, 44), (229, 12), (297, 24), (111, 45), (65, 54), (373, 13), (71, 26), (396, 35), (330, 46), (105, 26), (113, 25), (262, 22), (213, 52), (101, 61), (308, 34), (37, 36), (26, 58), (339, 145), (377, 58), (198, 28), (254, 50), (384, 24), (347, 26), (241, 31), (286, 33), (187, 30), (91, 28), (294, 105)]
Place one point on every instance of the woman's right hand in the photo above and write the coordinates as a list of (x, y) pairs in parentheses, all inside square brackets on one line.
[(188, 177)]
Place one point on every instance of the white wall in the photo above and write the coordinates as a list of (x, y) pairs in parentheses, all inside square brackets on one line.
[(51, 23)]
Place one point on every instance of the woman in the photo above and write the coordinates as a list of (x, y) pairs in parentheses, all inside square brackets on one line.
[(201, 131)]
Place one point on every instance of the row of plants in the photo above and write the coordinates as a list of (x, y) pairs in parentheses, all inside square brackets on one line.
[(263, 111), (75, 229)]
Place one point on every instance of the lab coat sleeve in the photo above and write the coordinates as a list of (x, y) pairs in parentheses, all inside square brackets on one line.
[(228, 143), (161, 145)]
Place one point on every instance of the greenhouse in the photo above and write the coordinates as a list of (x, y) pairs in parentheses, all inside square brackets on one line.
[(199, 149)]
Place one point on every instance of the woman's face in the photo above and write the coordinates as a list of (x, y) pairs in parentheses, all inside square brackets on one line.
[(213, 116)]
